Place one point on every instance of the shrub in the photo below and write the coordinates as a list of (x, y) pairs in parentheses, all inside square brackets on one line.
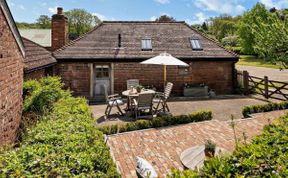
[(266, 156), (40, 96), (156, 122), (63, 143), (247, 110)]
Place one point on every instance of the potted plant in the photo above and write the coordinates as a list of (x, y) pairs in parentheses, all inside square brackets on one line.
[(209, 149), (139, 88)]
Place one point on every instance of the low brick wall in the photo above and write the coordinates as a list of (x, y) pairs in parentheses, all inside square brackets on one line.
[(217, 75), (11, 82)]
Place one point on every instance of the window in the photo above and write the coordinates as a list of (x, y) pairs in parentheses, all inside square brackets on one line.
[(183, 70), (102, 71), (146, 44), (196, 44)]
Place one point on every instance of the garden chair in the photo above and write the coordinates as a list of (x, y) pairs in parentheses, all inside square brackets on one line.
[(132, 83), (161, 98), (142, 104), (112, 101)]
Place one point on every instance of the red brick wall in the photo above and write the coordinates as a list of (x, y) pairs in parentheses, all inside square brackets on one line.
[(217, 75), (35, 75), (76, 77), (59, 30), (11, 82)]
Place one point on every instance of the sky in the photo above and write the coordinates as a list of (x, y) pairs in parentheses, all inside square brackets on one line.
[(191, 11)]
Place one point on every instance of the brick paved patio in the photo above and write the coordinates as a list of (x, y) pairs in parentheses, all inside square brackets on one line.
[(162, 146)]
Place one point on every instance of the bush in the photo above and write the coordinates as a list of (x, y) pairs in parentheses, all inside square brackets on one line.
[(63, 143), (40, 96), (156, 122), (247, 110), (266, 156)]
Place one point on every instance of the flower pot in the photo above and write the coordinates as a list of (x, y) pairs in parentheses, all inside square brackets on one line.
[(209, 154), (138, 90)]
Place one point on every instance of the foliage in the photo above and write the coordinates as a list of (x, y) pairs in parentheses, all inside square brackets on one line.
[(210, 146), (165, 18), (266, 156), (63, 144), (247, 110), (157, 122), (251, 60), (40, 96), (44, 22), (230, 40), (81, 21)]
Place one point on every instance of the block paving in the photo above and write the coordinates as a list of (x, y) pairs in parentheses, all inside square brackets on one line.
[(162, 146)]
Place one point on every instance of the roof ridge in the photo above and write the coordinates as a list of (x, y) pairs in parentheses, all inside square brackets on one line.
[(139, 21), (216, 42), (77, 39)]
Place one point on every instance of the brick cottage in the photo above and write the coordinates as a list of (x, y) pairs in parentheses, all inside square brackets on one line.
[(11, 75), (110, 54)]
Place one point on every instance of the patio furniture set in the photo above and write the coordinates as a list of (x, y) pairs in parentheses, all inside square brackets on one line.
[(144, 103)]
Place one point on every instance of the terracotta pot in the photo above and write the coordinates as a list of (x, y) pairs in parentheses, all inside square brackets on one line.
[(209, 154), (138, 90)]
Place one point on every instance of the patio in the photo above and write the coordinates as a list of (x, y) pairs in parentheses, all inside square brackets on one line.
[(162, 147), (222, 107)]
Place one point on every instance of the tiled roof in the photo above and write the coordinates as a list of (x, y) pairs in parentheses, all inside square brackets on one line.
[(36, 56), (39, 36), (172, 37)]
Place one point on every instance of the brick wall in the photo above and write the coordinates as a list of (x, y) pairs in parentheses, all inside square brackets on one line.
[(76, 77), (217, 75), (11, 81), (59, 29), (35, 75)]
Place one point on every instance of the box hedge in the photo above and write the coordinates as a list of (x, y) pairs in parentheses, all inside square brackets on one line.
[(63, 143), (265, 156), (156, 122), (247, 110)]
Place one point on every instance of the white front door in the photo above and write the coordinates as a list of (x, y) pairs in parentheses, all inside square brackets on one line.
[(102, 75)]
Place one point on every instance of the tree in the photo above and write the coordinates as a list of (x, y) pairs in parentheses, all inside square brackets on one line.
[(258, 14), (44, 22), (165, 18), (204, 26), (81, 21)]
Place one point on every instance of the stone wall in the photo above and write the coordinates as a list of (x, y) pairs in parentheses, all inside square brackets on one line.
[(11, 82)]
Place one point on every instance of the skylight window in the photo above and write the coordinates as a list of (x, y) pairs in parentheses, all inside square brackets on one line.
[(195, 43), (146, 44)]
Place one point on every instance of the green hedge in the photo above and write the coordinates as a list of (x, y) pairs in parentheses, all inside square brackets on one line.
[(156, 122), (63, 143), (266, 156), (247, 110)]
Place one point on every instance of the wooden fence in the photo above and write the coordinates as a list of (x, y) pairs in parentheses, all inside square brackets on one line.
[(262, 86)]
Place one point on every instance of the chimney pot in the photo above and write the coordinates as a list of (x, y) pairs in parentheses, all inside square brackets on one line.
[(59, 10)]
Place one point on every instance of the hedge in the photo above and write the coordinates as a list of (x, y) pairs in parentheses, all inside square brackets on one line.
[(156, 122), (63, 143), (265, 156), (247, 110)]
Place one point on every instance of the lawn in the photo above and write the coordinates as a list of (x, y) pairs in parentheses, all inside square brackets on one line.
[(251, 60)]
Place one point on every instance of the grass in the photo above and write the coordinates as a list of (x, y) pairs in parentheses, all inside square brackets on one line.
[(250, 60)]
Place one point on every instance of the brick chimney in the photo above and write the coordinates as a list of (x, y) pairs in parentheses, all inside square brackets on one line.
[(59, 29)]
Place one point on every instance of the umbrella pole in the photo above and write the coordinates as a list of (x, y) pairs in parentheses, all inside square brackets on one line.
[(165, 76)]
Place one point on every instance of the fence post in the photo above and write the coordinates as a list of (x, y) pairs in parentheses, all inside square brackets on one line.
[(266, 86), (246, 82)]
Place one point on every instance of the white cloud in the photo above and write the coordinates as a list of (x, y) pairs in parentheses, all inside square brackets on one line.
[(100, 16), (199, 18), (21, 7), (153, 18), (53, 10), (223, 7), (280, 4), (163, 1)]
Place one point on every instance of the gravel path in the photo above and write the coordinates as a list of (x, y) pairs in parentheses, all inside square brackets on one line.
[(273, 74)]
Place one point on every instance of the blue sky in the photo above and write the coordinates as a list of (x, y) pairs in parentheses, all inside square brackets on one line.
[(191, 11)]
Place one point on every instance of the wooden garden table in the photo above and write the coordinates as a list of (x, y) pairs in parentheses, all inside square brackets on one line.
[(134, 94)]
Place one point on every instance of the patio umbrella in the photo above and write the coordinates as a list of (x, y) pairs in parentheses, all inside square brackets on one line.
[(165, 59)]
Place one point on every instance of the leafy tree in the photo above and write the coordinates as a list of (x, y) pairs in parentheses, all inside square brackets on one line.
[(247, 22), (81, 21), (204, 26), (165, 18), (44, 22), (230, 40)]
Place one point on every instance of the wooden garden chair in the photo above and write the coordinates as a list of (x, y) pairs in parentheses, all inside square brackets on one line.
[(132, 83), (143, 104), (160, 99), (112, 101)]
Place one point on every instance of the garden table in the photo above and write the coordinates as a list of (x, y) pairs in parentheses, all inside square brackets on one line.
[(134, 94), (194, 157)]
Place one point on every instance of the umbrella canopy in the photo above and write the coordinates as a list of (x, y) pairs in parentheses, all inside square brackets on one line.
[(165, 59)]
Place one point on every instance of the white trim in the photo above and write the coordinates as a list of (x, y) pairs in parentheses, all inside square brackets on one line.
[(112, 77)]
